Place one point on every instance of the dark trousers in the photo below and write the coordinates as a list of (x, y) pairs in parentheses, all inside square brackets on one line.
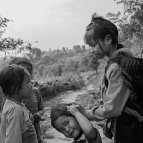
[(128, 130), (38, 132)]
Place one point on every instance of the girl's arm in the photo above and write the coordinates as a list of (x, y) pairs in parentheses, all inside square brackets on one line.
[(84, 123), (117, 94), (14, 126)]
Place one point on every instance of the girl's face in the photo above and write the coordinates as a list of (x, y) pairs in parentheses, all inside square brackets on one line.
[(26, 88), (100, 48), (68, 126)]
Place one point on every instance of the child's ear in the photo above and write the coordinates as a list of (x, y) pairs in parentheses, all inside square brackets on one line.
[(108, 39)]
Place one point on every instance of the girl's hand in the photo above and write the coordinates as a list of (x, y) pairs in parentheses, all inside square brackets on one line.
[(73, 109), (77, 107), (82, 109)]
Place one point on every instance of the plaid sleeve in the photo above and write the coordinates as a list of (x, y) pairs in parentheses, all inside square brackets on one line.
[(39, 97)]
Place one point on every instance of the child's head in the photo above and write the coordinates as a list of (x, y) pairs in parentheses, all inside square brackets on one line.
[(65, 122), (15, 80), (102, 33), (24, 62)]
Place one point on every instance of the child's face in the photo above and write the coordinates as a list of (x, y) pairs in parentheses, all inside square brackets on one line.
[(68, 126), (99, 47), (26, 88), (98, 51)]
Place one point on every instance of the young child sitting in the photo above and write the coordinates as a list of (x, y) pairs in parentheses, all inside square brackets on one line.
[(67, 119), (16, 127)]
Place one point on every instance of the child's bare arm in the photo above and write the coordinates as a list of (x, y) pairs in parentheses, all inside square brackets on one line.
[(84, 123)]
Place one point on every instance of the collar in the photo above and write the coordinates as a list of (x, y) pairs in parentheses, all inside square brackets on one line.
[(13, 100)]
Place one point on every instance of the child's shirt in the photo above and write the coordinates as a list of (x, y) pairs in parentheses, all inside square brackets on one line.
[(35, 102), (86, 139), (115, 95), (16, 127)]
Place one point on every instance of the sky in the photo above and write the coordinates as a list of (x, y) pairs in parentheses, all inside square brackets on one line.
[(52, 24)]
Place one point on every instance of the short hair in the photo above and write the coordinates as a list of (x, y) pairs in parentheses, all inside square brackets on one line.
[(59, 110), (101, 27), (22, 60), (11, 79)]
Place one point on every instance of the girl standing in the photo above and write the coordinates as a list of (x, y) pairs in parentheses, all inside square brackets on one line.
[(35, 102), (102, 36), (16, 127)]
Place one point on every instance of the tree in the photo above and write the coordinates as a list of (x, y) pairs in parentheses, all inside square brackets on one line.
[(70, 65), (131, 22), (41, 70), (35, 54), (3, 25), (56, 70), (83, 48), (18, 45), (47, 60), (93, 61), (76, 49), (83, 63), (9, 43)]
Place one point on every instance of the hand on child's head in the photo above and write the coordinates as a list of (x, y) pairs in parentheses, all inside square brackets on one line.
[(81, 109), (72, 108)]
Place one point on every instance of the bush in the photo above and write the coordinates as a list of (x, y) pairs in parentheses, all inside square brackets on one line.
[(53, 88)]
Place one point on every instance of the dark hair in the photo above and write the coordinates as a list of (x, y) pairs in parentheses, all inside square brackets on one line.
[(11, 79), (22, 60), (100, 29), (57, 111)]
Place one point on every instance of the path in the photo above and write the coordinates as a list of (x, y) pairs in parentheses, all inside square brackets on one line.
[(72, 96)]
